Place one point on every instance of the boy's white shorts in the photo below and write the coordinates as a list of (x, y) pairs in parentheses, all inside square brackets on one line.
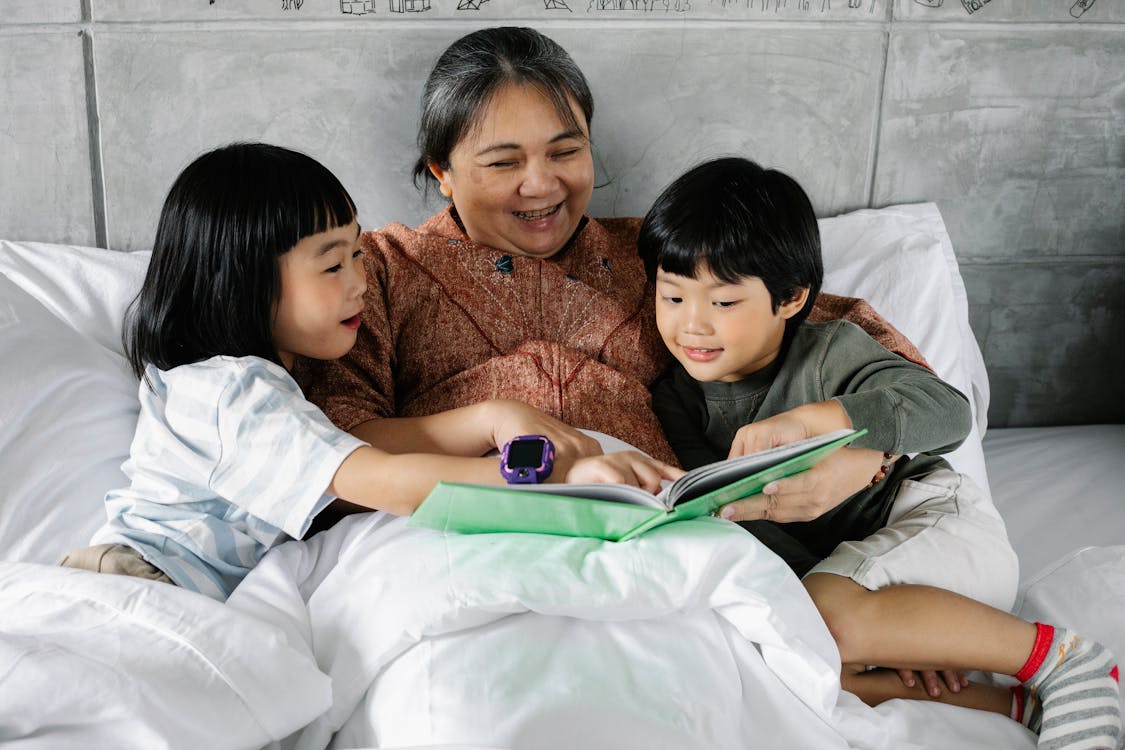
[(943, 531)]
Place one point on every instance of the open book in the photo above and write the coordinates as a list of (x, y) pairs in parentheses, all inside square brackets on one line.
[(617, 512)]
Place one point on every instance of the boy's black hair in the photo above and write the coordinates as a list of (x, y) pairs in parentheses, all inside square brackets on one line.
[(213, 280), (739, 220)]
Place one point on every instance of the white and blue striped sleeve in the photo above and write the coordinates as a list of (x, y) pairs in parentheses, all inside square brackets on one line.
[(279, 451)]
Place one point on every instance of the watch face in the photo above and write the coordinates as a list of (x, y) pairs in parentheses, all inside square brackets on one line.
[(525, 454)]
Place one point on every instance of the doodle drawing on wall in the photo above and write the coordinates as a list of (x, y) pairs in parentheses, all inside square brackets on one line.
[(470, 4), (357, 7), (644, 6), (556, 5), (1080, 7), (409, 6)]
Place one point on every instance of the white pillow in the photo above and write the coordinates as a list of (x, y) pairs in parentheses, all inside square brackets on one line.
[(900, 260), (87, 287), (68, 408)]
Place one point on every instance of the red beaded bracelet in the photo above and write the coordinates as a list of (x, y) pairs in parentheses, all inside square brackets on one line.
[(884, 469)]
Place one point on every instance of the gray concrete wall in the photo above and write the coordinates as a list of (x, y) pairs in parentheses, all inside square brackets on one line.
[(1009, 114)]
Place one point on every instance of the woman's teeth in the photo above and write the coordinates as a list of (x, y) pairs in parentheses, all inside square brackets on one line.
[(532, 215)]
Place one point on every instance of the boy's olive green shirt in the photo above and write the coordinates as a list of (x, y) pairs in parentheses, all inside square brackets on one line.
[(906, 409)]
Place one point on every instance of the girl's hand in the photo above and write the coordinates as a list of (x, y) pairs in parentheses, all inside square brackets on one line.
[(954, 680), (810, 494), (510, 419), (624, 467)]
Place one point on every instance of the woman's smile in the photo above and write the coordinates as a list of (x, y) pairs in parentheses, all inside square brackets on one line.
[(536, 215)]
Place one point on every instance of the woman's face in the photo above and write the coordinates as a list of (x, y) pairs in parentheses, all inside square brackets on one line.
[(521, 179)]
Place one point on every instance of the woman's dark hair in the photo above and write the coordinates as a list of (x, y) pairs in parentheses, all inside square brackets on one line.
[(470, 72), (213, 278), (739, 220)]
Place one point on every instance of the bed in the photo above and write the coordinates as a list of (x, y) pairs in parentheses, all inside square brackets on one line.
[(373, 634)]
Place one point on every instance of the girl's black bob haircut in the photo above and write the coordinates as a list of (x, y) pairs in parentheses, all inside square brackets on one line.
[(738, 220), (213, 279), (470, 72)]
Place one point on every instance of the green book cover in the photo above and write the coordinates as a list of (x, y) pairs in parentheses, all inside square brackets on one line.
[(616, 512)]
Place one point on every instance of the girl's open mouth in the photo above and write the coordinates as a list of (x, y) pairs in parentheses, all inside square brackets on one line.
[(352, 322)]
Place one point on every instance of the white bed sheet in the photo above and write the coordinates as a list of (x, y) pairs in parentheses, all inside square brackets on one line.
[(1061, 491), (1058, 488)]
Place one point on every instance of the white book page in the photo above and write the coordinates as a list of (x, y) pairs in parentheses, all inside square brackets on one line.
[(703, 479)]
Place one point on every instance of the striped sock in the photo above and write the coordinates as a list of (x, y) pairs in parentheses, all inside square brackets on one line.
[(1068, 692)]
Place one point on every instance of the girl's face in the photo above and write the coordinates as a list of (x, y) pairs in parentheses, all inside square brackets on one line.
[(521, 180), (322, 284), (719, 331)]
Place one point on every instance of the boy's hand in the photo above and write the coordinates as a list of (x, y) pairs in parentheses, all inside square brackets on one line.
[(623, 467), (510, 419), (812, 493), (954, 680), (781, 429), (817, 418)]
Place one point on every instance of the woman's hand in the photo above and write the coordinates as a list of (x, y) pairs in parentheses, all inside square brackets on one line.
[(812, 493), (510, 419), (623, 467)]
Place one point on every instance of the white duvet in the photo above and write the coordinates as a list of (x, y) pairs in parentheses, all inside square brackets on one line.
[(693, 636), (377, 635), (690, 637)]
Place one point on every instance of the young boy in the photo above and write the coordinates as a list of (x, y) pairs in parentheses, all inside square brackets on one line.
[(901, 568)]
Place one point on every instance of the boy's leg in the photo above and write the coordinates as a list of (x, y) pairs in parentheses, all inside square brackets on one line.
[(874, 686), (946, 534), (919, 627), (1069, 685)]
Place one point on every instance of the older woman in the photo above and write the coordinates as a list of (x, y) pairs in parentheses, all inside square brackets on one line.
[(512, 291)]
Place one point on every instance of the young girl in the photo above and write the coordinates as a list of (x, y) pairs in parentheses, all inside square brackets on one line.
[(256, 263)]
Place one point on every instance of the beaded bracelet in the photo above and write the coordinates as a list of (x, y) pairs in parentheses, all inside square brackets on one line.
[(884, 469)]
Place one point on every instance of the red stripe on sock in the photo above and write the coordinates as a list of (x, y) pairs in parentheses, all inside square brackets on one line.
[(1113, 673), (1044, 634), (1017, 700)]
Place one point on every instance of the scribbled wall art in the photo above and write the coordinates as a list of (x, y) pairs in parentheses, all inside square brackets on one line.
[(1032, 11)]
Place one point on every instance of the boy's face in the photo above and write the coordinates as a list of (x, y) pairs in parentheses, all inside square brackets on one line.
[(720, 331)]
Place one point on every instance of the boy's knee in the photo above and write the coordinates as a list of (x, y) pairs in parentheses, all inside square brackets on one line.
[(841, 603)]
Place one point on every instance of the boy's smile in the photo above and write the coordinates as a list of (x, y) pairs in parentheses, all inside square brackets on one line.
[(720, 331)]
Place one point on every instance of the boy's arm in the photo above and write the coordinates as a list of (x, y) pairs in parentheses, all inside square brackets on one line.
[(849, 380), (906, 408)]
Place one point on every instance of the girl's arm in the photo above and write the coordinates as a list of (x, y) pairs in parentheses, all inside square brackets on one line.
[(397, 483), (474, 430)]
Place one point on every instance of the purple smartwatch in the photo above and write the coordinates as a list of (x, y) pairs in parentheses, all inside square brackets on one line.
[(527, 459)]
